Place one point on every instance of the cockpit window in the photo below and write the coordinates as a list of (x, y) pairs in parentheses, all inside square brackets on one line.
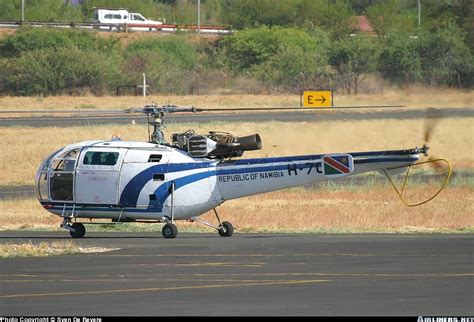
[(66, 161), (48, 160), (100, 158)]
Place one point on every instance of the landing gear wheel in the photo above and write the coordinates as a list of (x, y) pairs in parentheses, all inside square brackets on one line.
[(226, 229), (79, 230), (169, 231)]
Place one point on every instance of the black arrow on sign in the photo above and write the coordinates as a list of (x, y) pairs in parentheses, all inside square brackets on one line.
[(322, 99)]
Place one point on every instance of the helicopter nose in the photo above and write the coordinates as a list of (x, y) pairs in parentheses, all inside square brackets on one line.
[(41, 181), (41, 178)]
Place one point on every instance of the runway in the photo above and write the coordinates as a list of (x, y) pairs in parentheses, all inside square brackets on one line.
[(247, 274), (287, 116)]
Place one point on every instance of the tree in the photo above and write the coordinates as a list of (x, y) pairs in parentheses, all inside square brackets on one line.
[(353, 58), (11, 10), (435, 13), (445, 57), (335, 17), (169, 63), (387, 17), (400, 60), (277, 55), (242, 14), (40, 10)]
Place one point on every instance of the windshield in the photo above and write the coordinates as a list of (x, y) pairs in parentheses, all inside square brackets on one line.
[(45, 164)]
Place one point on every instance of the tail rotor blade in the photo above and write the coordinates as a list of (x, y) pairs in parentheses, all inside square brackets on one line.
[(432, 118)]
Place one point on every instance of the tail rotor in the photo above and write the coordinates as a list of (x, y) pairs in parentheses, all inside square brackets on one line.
[(433, 117)]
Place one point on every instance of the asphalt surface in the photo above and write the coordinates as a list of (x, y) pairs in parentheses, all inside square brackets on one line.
[(247, 274), (287, 116)]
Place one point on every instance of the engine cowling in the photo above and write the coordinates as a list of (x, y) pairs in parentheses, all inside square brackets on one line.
[(216, 144)]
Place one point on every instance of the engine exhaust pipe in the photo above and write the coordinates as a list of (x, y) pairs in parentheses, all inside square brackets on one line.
[(250, 142)]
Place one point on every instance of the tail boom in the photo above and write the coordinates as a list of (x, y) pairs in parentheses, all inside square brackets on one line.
[(247, 177)]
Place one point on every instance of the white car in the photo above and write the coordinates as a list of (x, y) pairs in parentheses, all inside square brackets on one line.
[(122, 18)]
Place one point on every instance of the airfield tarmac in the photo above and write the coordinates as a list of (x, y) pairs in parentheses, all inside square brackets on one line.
[(247, 274)]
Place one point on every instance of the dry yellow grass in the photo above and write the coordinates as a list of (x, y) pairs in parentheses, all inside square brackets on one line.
[(412, 97), (22, 149), (41, 249), (374, 209), (367, 209)]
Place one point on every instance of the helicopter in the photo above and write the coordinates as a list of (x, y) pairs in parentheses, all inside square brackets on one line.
[(162, 182)]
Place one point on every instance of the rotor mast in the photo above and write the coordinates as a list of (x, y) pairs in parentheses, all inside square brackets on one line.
[(156, 119)]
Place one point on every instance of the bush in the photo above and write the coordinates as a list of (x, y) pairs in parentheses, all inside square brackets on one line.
[(65, 70), (446, 58), (278, 56), (28, 39), (400, 60), (169, 63), (353, 58)]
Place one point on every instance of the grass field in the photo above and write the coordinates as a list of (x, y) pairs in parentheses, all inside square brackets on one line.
[(373, 208)]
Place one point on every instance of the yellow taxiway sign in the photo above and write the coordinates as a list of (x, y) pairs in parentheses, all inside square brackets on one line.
[(317, 99)]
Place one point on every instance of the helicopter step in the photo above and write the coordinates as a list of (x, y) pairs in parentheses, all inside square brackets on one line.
[(76, 230)]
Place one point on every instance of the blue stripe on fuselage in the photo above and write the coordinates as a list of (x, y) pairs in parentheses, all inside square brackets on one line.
[(163, 191), (130, 193)]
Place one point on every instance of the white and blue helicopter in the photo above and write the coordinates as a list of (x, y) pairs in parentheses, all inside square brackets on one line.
[(157, 181)]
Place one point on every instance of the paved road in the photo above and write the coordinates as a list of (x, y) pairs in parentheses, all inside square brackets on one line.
[(287, 116), (248, 274)]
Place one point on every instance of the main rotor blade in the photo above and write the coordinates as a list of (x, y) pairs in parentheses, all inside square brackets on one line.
[(292, 108), (83, 112), (177, 109)]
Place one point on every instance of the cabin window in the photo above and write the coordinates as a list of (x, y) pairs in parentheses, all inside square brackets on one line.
[(155, 158), (100, 158), (158, 177), (137, 17), (112, 16)]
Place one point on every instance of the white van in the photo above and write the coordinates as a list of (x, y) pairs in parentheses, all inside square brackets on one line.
[(124, 17)]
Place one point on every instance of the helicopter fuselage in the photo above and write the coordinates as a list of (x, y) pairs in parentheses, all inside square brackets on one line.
[(127, 181)]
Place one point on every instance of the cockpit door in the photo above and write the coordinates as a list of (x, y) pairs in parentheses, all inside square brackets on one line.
[(62, 175)]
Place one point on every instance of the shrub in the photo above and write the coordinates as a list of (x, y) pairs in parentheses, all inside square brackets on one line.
[(28, 39), (65, 70), (168, 62), (278, 56)]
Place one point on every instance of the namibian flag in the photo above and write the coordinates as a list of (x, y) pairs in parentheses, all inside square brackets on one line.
[(337, 164)]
